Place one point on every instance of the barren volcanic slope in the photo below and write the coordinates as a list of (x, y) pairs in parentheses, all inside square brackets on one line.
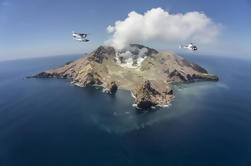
[(147, 77)]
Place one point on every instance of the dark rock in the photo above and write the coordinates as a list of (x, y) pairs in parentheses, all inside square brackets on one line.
[(152, 93), (199, 69), (145, 104), (189, 77), (170, 92), (195, 76), (90, 80), (111, 88), (204, 77), (175, 73), (43, 75)]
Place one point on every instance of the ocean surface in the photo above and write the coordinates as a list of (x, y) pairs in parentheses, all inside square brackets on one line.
[(50, 122)]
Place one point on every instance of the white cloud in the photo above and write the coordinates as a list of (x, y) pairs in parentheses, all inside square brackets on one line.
[(110, 29), (157, 24)]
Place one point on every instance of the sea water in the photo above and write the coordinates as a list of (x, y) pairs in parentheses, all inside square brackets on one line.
[(49, 122)]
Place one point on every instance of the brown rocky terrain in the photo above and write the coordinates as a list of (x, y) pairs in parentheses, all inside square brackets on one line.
[(148, 79)]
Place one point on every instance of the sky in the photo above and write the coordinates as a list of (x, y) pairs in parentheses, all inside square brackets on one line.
[(35, 28)]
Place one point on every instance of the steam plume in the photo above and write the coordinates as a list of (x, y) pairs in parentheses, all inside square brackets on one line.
[(158, 24)]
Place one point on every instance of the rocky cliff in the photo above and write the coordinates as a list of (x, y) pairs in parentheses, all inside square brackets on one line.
[(147, 76)]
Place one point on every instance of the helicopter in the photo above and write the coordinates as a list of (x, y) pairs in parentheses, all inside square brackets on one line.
[(81, 37), (81, 40), (190, 46)]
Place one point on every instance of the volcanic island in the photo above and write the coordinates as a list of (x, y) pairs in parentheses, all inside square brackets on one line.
[(144, 71)]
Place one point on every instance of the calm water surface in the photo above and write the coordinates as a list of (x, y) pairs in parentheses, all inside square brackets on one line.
[(49, 122)]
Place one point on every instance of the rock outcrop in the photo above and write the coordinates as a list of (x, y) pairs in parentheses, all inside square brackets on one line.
[(111, 88), (152, 93), (149, 81)]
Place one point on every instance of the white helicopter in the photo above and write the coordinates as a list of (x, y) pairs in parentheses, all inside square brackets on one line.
[(190, 46), (82, 40), (81, 37)]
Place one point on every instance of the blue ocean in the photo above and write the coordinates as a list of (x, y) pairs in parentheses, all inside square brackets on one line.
[(50, 122)]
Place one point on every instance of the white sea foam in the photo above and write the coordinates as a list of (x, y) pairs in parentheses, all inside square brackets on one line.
[(133, 95), (134, 105)]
